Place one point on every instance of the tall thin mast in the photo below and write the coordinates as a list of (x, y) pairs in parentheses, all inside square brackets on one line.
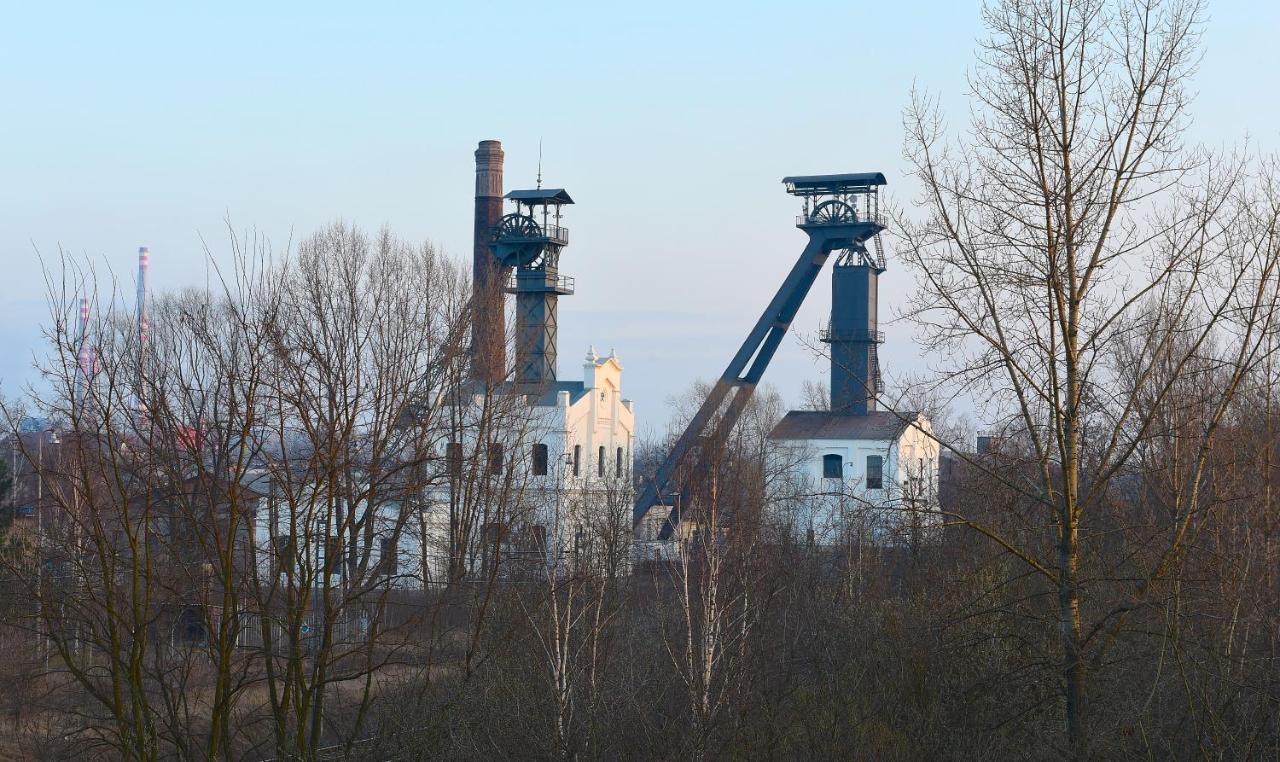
[(144, 256), (82, 356), (144, 261)]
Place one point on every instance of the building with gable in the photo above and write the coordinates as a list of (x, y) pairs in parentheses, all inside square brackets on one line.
[(874, 475)]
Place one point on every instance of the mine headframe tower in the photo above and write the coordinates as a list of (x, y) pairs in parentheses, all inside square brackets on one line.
[(528, 242), (840, 213)]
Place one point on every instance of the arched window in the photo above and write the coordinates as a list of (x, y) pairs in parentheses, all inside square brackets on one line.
[(832, 467), (539, 460), (618, 465), (600, 463), (577, 460)]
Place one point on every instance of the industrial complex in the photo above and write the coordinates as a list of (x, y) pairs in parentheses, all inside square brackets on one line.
[(563, 447)]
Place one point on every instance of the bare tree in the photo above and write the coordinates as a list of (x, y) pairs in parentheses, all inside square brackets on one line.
[(233, 488), (1069, 218), (716, 589)]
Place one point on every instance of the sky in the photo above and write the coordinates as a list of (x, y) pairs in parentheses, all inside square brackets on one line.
[(671, 124)]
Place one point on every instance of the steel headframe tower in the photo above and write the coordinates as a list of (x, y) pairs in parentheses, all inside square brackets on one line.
[(529, 240), (853, 332), (833, 222)]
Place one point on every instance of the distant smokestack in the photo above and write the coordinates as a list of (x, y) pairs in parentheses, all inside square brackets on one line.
[(489, 330), (144, 257), (82, 353), (144, 263)]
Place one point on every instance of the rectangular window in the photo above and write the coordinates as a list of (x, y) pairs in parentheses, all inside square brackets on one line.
[(832, 467), (875, 472), (539, 460), (577, 460), (321, 535), (388, 556), (538, 538), (284, 552), (492, 533), (328, 549), (453, 454), (492, 537), (600, 463), (334, 555), (495, 458)]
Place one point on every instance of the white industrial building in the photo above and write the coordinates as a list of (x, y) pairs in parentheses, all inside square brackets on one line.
[(873, 474), (565, 469), (570, 474)]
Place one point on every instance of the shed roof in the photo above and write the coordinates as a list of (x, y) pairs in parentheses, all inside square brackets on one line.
[(540, 196), (878, 425)]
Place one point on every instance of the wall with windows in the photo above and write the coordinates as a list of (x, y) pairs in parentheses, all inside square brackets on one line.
[(568, 455), (532, 483), (877, 489)]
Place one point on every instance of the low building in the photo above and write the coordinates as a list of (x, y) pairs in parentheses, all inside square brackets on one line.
[(874, 474)]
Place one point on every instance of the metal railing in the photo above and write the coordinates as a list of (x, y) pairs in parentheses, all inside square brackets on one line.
[(804, 220), (875, 337), (554, 232), (563, 284)]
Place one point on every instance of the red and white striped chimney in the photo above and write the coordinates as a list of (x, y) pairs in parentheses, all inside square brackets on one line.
[(144, 256), (82, 335), (82, 353)]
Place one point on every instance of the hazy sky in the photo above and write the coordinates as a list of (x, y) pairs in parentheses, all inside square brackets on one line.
[(670, 123)]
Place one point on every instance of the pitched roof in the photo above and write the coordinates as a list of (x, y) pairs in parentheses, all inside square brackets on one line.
[(834, 183), (576, 389), (540, 196), (878, 425)]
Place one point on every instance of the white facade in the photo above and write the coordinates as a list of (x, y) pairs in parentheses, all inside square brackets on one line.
[(588, 431), (873, 475), (565, 468)]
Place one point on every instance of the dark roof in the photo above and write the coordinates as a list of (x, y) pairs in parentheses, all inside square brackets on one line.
[(879, 425), (540, 196), (834, 183), (576, 390)]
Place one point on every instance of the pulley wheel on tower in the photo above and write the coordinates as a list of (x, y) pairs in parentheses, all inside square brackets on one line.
[(833, 212), (518, 240)]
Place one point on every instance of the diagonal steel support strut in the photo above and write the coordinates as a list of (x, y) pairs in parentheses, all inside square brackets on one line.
[(761, 344)]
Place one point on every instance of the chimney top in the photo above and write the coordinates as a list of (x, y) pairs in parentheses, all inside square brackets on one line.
[(489, 169)]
